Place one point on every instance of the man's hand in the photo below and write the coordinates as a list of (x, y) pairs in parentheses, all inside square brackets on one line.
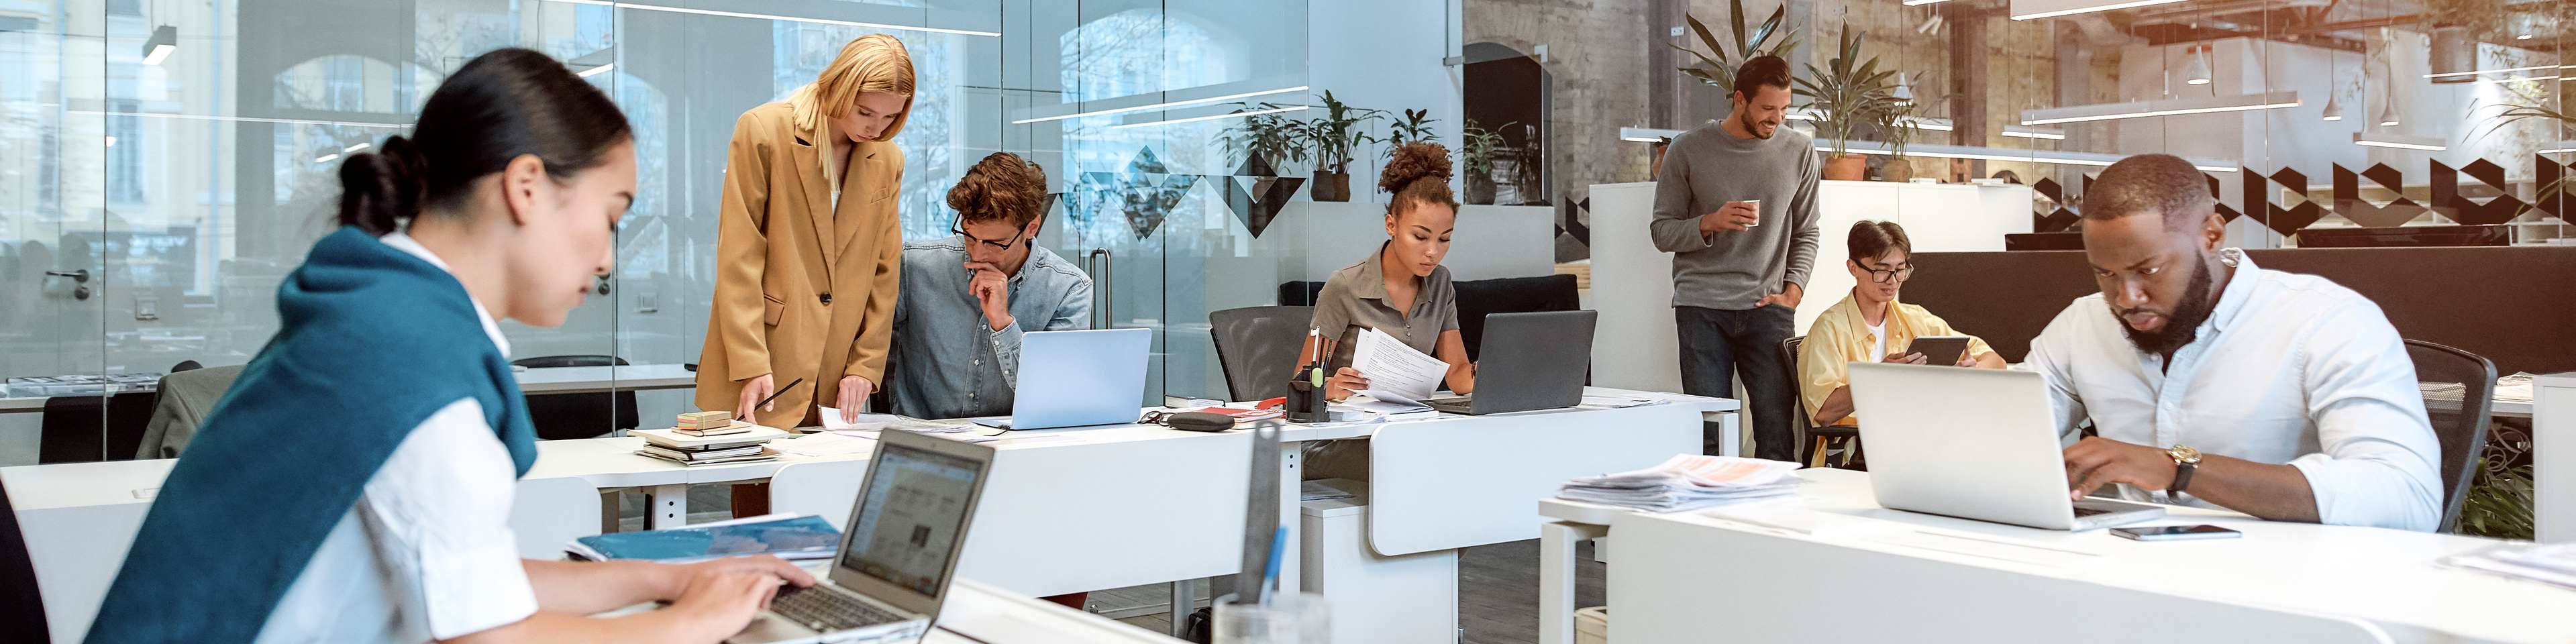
[(1789, 296), (1735, 215), (854, 393), (992, 289), (2098, 461), (1905, 358), (754, 390)]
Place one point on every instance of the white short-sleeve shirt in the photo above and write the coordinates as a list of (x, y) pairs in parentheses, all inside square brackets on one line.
[(426, 553)]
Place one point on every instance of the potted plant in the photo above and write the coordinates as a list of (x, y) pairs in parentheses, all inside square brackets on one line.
[(1897, 127), (1478, 156), (1847, 93), (1720, 70), (1330, 139), (1265, 140), (1416, 126)]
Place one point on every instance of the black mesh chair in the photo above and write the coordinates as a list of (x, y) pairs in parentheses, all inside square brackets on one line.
[(1257, 346), (1299, 293), (1478, 298), (2459, 396), (579, 415), (87, 429), (1836, 446)]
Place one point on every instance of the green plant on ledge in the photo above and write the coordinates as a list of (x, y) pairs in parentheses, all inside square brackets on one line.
[(1331, 139), (1414, 127), (1265, 140), (1720, 70)]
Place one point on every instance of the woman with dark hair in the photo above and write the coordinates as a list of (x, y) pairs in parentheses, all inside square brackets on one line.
[(1401, 289), (355, 484)]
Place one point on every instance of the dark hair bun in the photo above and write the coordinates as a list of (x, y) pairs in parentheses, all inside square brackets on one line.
[(380, 189), (1414, 161)]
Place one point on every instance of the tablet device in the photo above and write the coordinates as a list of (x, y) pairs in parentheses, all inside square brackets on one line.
[(1941, 350)]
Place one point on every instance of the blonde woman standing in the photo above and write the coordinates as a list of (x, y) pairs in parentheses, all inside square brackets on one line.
[(810, 244)]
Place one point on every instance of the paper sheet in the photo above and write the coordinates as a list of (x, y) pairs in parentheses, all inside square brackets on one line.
[(1620, 401), (1394, 368), (831, 443)]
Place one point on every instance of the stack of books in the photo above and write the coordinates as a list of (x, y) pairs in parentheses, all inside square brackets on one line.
[(1688, 482), (710, 423), (743, 445)]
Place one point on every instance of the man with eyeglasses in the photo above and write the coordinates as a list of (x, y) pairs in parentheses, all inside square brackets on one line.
[(966, 299), (1870, 325)]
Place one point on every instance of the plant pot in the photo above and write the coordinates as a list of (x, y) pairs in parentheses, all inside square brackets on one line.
[(1480, 189), (1898, 170), (1849, 167), (1331, 186)]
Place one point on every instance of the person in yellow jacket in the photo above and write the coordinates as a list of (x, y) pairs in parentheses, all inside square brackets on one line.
[(809, 243), (1869, 325)]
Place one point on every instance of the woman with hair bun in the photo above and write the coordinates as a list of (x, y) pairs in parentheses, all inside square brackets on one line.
[(808, 246), (355, 484), (1401, 289)]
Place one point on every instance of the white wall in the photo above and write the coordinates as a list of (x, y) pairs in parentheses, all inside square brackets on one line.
[(1384, 55)]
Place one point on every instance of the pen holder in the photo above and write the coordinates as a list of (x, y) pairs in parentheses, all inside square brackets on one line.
[(1289, 618), (1304, 404)]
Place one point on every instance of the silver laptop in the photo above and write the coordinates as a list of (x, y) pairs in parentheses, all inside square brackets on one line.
[(1972, 443), (1530, 361), (1077, 378), (897, 556)]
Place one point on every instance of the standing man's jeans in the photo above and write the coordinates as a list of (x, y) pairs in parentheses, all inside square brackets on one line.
[(1717, 344)]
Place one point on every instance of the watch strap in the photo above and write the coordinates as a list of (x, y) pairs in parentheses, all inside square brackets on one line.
[(2181, 481)]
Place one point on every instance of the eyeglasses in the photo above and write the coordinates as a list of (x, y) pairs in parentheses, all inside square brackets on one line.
[(960, 229), (1898, 274)]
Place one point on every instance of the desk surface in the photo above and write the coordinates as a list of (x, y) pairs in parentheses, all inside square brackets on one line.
[(2383, 576)]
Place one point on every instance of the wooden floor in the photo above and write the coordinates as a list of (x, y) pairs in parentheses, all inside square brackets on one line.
[(1497, 594)]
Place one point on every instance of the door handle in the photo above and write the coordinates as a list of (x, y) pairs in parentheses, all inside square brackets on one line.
[(80, 277), (1100, 317)]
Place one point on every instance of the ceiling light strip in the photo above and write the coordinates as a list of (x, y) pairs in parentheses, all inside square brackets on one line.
[(243, 119), (2400, 141), (765, 16), (2107, 7), (2144, 109), (1291, 108), (2492, 71), (1157, 106)]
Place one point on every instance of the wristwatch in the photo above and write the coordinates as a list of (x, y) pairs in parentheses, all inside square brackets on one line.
[(2185, 460)]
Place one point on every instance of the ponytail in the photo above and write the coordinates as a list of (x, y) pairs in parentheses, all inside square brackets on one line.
[(380, 189)]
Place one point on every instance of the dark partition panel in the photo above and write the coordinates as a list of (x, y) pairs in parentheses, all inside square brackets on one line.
[(2512, 305)]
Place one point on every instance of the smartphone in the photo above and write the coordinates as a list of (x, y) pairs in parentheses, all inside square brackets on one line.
[(2176, 532), (1940, 350)]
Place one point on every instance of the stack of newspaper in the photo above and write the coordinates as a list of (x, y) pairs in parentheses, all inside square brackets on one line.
[(2553, 564), (1688, 482)]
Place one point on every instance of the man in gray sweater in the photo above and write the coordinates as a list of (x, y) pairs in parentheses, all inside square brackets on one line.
[(1735, 204)]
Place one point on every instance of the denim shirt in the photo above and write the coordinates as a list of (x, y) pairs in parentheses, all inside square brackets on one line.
[(947, 362)]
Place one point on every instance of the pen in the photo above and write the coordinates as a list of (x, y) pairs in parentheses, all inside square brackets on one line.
[(772, 396)]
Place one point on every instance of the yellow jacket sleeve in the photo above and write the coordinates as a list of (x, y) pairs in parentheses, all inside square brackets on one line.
[(740, 310), (1821, 367), (876, 328)]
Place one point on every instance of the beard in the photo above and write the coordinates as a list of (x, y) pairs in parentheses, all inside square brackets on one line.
[(2182, 325), (1746, 119)]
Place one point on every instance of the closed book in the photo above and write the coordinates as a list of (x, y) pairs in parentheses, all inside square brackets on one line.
[(703, 446), (788, 537), (1243, 415), (699, 454), (719, 430), (676, 440)]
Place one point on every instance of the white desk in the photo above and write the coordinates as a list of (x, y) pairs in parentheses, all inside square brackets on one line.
[(1687, 577), (981, 613), (2553, 457), (542, 380)]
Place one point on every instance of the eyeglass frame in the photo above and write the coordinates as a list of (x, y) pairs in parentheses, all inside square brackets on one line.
[(958, 227), (1882, 276)]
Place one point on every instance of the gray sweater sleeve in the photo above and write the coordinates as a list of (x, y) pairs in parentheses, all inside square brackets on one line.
[(1802, 216), (1676, 228)]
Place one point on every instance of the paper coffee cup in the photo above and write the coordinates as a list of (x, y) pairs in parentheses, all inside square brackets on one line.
[(1757, 212)]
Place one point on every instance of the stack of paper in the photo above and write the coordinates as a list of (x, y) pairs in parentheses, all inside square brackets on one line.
[(873, 422), (1394, 370), (2514, 387), (1687, 482), (2553, 564), (730, 448)]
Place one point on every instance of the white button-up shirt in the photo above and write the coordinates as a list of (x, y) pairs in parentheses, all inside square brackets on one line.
[(427, 552), (2289, 368)]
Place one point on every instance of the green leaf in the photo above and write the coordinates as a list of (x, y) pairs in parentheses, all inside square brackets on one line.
[(1710, 41), (1736, 16), (1763, 32)]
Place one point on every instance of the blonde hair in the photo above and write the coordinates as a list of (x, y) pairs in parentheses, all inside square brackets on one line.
[(870, 63)]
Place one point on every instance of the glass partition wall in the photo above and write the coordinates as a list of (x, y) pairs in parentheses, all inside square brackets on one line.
[(169, 161)]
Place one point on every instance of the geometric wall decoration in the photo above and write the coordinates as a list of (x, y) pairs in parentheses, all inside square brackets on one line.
[(2258, 201), (2348, 201), (2448, 202)]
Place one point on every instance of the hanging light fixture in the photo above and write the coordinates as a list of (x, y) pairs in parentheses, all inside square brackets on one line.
[(2196, 72), (2334, 107), (165, 39), (2388, 115), (1904, 93)]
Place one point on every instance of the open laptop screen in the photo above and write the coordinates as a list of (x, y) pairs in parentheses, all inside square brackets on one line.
[(914, 511)]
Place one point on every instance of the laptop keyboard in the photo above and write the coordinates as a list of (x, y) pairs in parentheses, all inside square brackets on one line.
[(2081, 511), (827, 611)]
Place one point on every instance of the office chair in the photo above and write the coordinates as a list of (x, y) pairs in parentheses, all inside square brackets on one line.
[(1478, 298), (92, 428), (1257, 346), (1821, 447), (1299, 293), (581, 415), (2459, 395), (22, 605)]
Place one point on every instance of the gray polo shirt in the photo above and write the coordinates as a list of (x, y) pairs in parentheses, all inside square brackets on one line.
[(946, 360), (1355, 298), (1730, 270)]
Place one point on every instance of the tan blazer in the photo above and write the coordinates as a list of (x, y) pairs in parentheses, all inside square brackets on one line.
[(802, 291)]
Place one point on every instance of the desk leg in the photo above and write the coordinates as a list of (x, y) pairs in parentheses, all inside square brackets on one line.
[(608, 511), (668, 506), (1556, 566), (1185, 597), (1292, 476)]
